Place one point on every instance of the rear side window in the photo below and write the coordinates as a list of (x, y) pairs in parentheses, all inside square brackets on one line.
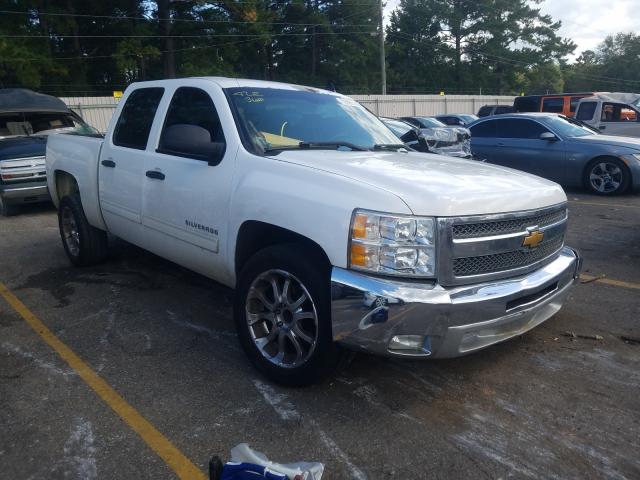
[(192, 106), (503, 109), (484, 111), (553, 105), (136, 118), (484, 129), (586, 111)]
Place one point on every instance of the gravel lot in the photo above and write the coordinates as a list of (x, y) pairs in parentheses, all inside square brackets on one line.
[(545, 405)]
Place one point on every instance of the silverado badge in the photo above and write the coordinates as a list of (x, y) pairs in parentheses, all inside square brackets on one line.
[(533, 239)]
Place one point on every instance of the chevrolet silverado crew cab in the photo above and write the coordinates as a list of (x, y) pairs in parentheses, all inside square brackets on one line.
[(332, 233)]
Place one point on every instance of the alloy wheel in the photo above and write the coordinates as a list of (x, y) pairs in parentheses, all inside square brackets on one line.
[(606, 177), (70, 232), (282, 318)]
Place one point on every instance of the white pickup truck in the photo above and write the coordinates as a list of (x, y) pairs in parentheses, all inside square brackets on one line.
[(332, 234)]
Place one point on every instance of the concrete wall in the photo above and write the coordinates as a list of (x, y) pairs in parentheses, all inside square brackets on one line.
[(97, 111)]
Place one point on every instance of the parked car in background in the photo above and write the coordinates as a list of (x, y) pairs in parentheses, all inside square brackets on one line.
[(456, 119), (559, 148), (26, 118), (443, 139), (488, 110), (408, 134), (612, 113), (332, 233), (564, 103)]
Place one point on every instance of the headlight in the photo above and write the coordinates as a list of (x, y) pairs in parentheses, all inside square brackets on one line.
[(392, 244)]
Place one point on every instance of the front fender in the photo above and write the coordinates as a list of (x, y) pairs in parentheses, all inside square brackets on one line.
[(313, 203)]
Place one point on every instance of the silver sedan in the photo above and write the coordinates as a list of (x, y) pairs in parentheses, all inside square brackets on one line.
[(560, 149)]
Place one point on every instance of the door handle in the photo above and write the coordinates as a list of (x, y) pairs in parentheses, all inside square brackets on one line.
[(108, 163), (602, 127), (155, 174)]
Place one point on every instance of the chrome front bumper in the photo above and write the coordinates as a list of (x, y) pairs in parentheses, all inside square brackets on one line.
[(25, 192), (369, 313)]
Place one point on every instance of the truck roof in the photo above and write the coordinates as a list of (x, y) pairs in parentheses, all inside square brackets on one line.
[(227, 82)]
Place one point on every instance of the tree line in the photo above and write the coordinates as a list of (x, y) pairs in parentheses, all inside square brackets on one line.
[(73, 47)]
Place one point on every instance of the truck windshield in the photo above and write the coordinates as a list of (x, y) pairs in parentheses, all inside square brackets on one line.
[(274, 118)]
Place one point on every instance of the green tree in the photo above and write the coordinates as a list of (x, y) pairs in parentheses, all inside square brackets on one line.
[(477, 43)]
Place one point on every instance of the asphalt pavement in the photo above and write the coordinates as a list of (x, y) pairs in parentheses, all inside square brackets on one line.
[(560, 402)]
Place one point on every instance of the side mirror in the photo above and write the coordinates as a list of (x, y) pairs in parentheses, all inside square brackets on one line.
[(548, 136), (191, 141)]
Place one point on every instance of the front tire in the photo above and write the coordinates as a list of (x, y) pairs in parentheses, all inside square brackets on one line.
[(607, 176), (85, 245), (282, 314), (7, 210)]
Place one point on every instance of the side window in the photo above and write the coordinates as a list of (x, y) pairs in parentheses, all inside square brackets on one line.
[(506, 128), (553, 104), (412, 121), (573, 103), (192, 106), (503, 109), (484, 129), (484, 111), (522, 128), (136, 118), (586, 111), (618, 112)]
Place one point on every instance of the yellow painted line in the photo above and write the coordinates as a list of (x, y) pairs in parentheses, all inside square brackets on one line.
[(610, 281), (160, 444), (614, 205)]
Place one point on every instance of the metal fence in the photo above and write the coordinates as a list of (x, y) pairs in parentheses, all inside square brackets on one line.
[(97, 111)]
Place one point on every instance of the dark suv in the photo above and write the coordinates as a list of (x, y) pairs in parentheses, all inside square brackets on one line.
[(488, 110)]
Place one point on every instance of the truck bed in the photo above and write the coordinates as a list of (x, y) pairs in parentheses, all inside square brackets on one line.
[(79, 156)]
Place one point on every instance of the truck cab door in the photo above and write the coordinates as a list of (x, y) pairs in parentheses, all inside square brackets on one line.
[(122, 162), (188, 180), (619, 119)]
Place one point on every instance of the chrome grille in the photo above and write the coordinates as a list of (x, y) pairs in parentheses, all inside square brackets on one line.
[(487, 229), (21, 169), (487, 247), (466, 266)]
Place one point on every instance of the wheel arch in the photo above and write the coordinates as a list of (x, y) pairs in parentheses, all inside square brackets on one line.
[(601, 158), (254, 235), (65, 184)]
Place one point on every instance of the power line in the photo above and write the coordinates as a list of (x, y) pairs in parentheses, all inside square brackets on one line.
[(177, 20)]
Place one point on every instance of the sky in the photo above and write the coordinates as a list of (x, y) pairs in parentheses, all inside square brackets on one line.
[(586, 22)]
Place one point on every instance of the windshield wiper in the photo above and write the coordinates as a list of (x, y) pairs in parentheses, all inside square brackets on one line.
[(394, 147), (317, 145)]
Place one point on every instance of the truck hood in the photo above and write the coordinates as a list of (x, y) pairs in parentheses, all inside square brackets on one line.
[(609, 140), (22, 147), (435, 185)]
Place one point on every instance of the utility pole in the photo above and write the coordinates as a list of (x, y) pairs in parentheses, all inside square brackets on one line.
[(383, 70)]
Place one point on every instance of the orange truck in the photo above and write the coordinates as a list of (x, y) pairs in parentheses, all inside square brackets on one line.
[(564, 103)]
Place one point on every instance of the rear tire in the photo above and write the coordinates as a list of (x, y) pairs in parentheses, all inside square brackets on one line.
[(85, 245), (283, 316), (7, 210), (607, 176)]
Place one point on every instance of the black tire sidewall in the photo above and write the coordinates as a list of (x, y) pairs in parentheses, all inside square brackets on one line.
[(6, 209), (92, 247), (626, 176), (313, 271)]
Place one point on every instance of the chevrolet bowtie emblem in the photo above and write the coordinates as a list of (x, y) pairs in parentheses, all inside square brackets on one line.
[(533, 239)]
